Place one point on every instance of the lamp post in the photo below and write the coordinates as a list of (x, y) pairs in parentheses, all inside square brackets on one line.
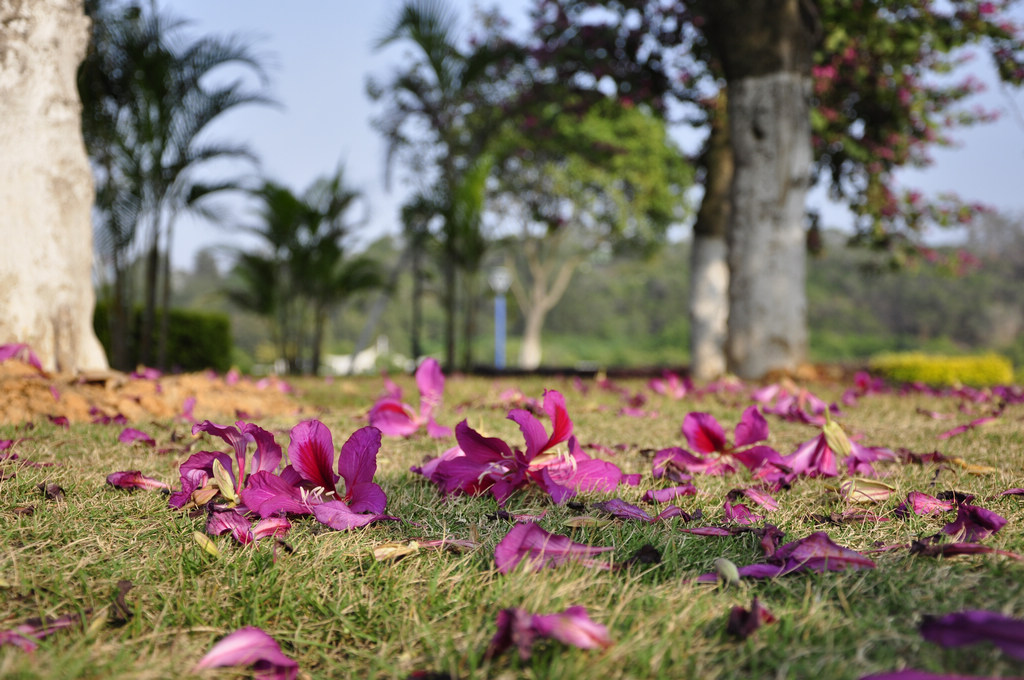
[(499, 279)]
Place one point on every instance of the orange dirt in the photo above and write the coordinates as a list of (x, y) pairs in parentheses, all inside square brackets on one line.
[(27, 395)]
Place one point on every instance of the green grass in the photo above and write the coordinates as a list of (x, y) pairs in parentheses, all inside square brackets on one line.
[(342, 614)]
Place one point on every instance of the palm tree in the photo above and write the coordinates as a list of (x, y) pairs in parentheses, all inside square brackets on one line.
[(147, 104), (446, 91), (302, 272)]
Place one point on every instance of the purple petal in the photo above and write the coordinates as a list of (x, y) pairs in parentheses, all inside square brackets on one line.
[(437, 431), (268, 452), (251, 646), (195, 472), (923, 504), (134, 479), (757, 571), (751, 429), (130, 435), (534, 434), (973, 523), (311, 453), (539, 548), (22, 352), (357, 461), (561, 425), (969, 627), (366, 497), (761, 497), (430, 381), (740, 514), (813, 458), (267, 494), (572, 627), (819, 553), (271, 526), (229, 520), (703, 433), (340, 517), (617, 507), (229, 434), (663, 495), (515, 626), (394, 418)]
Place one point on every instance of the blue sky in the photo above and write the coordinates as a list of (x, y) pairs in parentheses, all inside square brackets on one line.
[(320, 54)]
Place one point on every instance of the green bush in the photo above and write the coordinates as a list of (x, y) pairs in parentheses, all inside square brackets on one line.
[(196, 340), (986, 369)]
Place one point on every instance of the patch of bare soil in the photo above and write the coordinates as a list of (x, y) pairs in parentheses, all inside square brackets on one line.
[(28, 395)]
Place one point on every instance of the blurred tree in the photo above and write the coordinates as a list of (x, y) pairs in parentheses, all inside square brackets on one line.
[(440, 113), (45, 187), (302, 271), (149, 101), (580, 186), (836, 90)]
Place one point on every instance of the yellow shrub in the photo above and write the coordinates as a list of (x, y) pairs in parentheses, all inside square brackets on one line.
[(986, 369)]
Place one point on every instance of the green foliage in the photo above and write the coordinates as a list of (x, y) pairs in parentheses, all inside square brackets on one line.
[(197, 341), (987, 369)]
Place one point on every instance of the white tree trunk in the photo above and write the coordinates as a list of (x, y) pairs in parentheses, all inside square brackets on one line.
[(709, 306), (46, 190), (530, 351), (770, 127)]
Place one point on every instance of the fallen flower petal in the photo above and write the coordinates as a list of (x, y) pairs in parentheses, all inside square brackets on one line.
[(130, 435), (926, 549), (923, 504), (340, 517), (134, 479), (572, 627), (970, 627), (973, 523), (520, 628), (539, 548), (743, 622), (252, 647), (663, 495), (26, 634)]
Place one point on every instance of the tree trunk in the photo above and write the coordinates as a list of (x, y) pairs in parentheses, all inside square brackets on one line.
[(164, 331), (771, 136), (152, 275), (469, 281), (766, 49), (46, 187), (709, 267), (530, 351)]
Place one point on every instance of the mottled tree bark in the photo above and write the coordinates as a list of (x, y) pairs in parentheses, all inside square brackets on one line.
[(46, 188), (766, 48), (709, 266)]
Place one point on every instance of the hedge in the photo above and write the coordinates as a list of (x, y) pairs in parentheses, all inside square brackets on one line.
[(981, 370), (196, 341)]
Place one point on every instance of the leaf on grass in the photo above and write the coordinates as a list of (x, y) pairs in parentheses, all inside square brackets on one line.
[(860, 490), (206, 543), (395, 550), (587, 521), (973, 626)]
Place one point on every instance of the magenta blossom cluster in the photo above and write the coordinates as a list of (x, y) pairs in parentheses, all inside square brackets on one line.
[(309, 485), (482, 464)]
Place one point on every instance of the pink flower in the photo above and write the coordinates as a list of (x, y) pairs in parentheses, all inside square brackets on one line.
[(520, 628), (714, 454), (134, 479), (311, 481), (395, 418)]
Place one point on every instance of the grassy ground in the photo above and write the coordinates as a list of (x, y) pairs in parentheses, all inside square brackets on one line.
[(340, 613)]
